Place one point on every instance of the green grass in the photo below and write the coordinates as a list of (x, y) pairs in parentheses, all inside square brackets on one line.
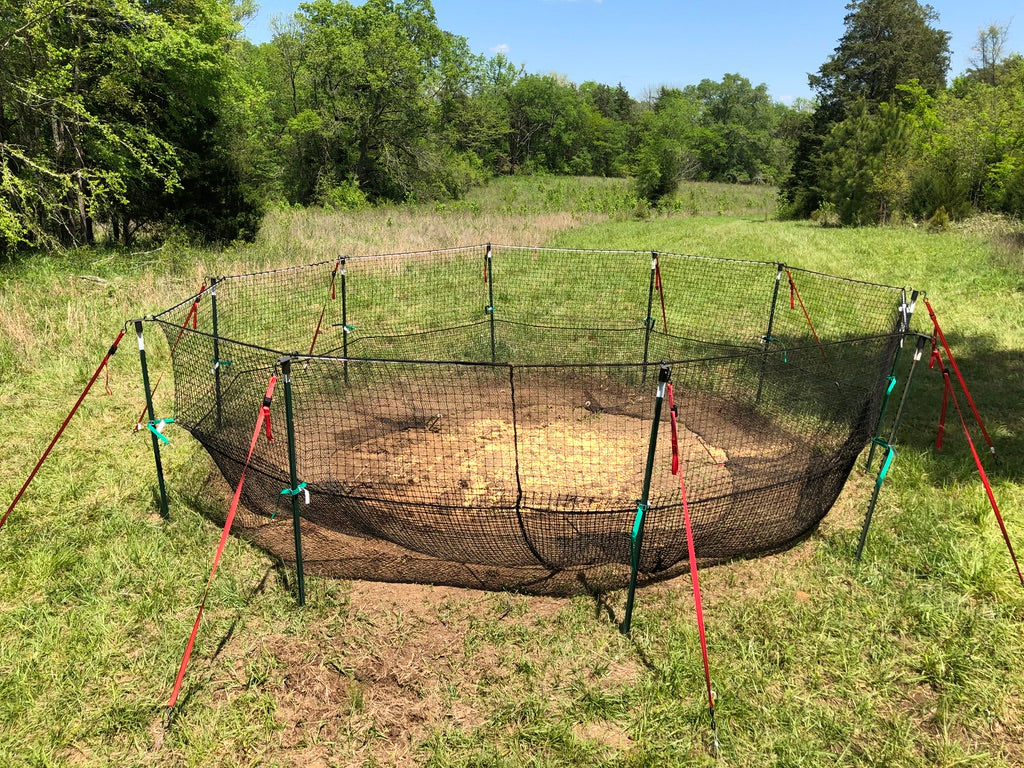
[(912, 658)]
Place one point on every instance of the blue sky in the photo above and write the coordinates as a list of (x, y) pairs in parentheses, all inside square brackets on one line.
[(646, 43)]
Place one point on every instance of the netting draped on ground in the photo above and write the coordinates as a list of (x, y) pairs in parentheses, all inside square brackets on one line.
[(482, 415)]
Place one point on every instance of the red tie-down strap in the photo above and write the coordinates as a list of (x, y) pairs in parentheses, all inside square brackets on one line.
[(956, 369), (985, 482), (694, 577), (675, 432), (323, 309), (63, 426), (265, 409), (262, 419), (334, 275), (795, 294), (947, 389)]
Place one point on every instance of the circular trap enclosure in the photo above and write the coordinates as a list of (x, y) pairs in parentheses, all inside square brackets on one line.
[(485, 416)]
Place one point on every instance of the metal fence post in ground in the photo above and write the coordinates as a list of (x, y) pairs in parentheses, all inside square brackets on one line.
[(296, 488), (345, 330), (918, 351), (767, 338), (906, 311), (637, 537), (489, 275), (649, 320), (882, 472), (152, 419), (216, 348)]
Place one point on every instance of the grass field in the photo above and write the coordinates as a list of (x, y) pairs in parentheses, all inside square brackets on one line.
[(914, 657)]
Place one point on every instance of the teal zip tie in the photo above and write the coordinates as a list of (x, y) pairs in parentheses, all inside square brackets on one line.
[(300, 488), (345, 328), (157, 428), (885, 464), (219, 364), (489, 310), (773, 340), (892, 386), (641, 509)]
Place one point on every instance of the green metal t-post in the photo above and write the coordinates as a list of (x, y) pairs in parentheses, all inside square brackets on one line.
[(152, 419), (344, 317), (216, 349), (767, 338), (293, 478), (490, 296), (906, 312), (637, 538), (649, 320)]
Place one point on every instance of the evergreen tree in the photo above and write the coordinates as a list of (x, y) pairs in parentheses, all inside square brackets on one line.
[(886, 43)]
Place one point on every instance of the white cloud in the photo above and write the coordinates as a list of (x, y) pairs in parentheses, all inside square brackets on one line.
[(501, 48)]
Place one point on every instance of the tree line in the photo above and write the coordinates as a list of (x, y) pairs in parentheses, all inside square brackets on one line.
[(890, 139), (129, 118)]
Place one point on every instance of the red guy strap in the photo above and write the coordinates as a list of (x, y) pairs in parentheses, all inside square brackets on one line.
[(956, 369), (794, 292), (60, 430), (694, 577), (988, 486), (264, 416), (675, 432), (946, 390), (316, 333)]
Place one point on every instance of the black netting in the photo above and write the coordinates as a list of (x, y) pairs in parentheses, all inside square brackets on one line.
[(483, 416)]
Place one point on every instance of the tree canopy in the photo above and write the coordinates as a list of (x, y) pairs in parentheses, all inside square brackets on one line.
[(128, 117), (886, 43), (109, 111)]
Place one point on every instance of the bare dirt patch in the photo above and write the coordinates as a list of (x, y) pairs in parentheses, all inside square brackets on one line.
[(536, 491)]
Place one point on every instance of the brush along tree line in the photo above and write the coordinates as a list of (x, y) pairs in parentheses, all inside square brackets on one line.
[(128, 117)]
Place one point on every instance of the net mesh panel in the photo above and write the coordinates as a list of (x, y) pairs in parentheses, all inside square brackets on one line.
[(481, 416)]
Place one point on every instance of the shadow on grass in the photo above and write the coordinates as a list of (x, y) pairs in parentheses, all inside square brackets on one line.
[(995, 377)]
